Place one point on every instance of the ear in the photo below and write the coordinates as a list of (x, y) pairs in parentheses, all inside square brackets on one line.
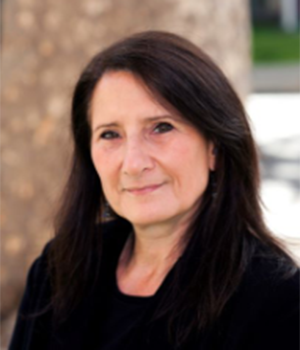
[(212, 155)]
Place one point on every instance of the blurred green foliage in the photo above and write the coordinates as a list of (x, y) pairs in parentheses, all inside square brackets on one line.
[(271, 44)]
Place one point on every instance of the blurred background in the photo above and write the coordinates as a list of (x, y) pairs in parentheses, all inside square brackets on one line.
[(45, 45), (273, 105)]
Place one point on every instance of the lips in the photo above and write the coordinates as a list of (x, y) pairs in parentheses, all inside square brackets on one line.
[(143, 190)]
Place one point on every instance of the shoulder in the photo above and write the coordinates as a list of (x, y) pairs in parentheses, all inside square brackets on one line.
[(265, 308), (272, 276), (278, 277), (38, 282), (113, 232), (38, 270), (35, 302)]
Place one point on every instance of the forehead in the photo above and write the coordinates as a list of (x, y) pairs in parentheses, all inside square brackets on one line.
[(121, 92), (120, 97)]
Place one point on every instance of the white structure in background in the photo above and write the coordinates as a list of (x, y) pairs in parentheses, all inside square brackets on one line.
[(275, 121), (289, 15)]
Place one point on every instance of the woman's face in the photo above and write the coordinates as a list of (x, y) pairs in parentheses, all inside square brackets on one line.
[(153, 165)]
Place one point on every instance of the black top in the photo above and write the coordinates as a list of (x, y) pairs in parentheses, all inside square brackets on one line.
[(262, 314), (124, 316)]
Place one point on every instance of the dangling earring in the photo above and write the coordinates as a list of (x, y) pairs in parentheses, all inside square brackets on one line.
[(107, 211)]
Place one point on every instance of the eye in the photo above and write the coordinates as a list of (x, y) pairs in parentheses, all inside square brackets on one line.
[(108, 135), (163, 128)]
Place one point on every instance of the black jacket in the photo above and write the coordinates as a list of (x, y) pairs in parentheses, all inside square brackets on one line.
[(263, 314)]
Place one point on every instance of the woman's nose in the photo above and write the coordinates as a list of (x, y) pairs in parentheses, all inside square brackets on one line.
[(136, 158)]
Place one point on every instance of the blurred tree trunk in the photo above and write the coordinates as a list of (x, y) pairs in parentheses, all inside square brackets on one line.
[(45, 46)]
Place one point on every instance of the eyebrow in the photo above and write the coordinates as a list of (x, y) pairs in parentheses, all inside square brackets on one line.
[(148, 119)]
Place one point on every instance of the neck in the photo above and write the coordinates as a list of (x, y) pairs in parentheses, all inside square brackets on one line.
[(155, 247), (149, 254)]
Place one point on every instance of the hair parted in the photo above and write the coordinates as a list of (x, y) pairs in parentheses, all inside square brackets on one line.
[(223, 236)]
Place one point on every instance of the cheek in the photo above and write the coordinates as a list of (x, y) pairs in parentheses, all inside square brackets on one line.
[(102, 165), (193, 168), (106, 167)]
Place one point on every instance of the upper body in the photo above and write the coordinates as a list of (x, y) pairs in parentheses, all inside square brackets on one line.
[(162, 139), (263, 313)]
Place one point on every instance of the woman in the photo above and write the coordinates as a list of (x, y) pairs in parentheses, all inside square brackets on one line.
[(163, 147)]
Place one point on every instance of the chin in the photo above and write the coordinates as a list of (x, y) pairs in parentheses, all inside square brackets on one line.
[(147, 218)]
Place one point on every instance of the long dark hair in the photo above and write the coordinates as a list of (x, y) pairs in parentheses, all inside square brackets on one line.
[(222, 237)]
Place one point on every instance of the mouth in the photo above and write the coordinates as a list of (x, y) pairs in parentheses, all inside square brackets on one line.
[(143, 190)]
